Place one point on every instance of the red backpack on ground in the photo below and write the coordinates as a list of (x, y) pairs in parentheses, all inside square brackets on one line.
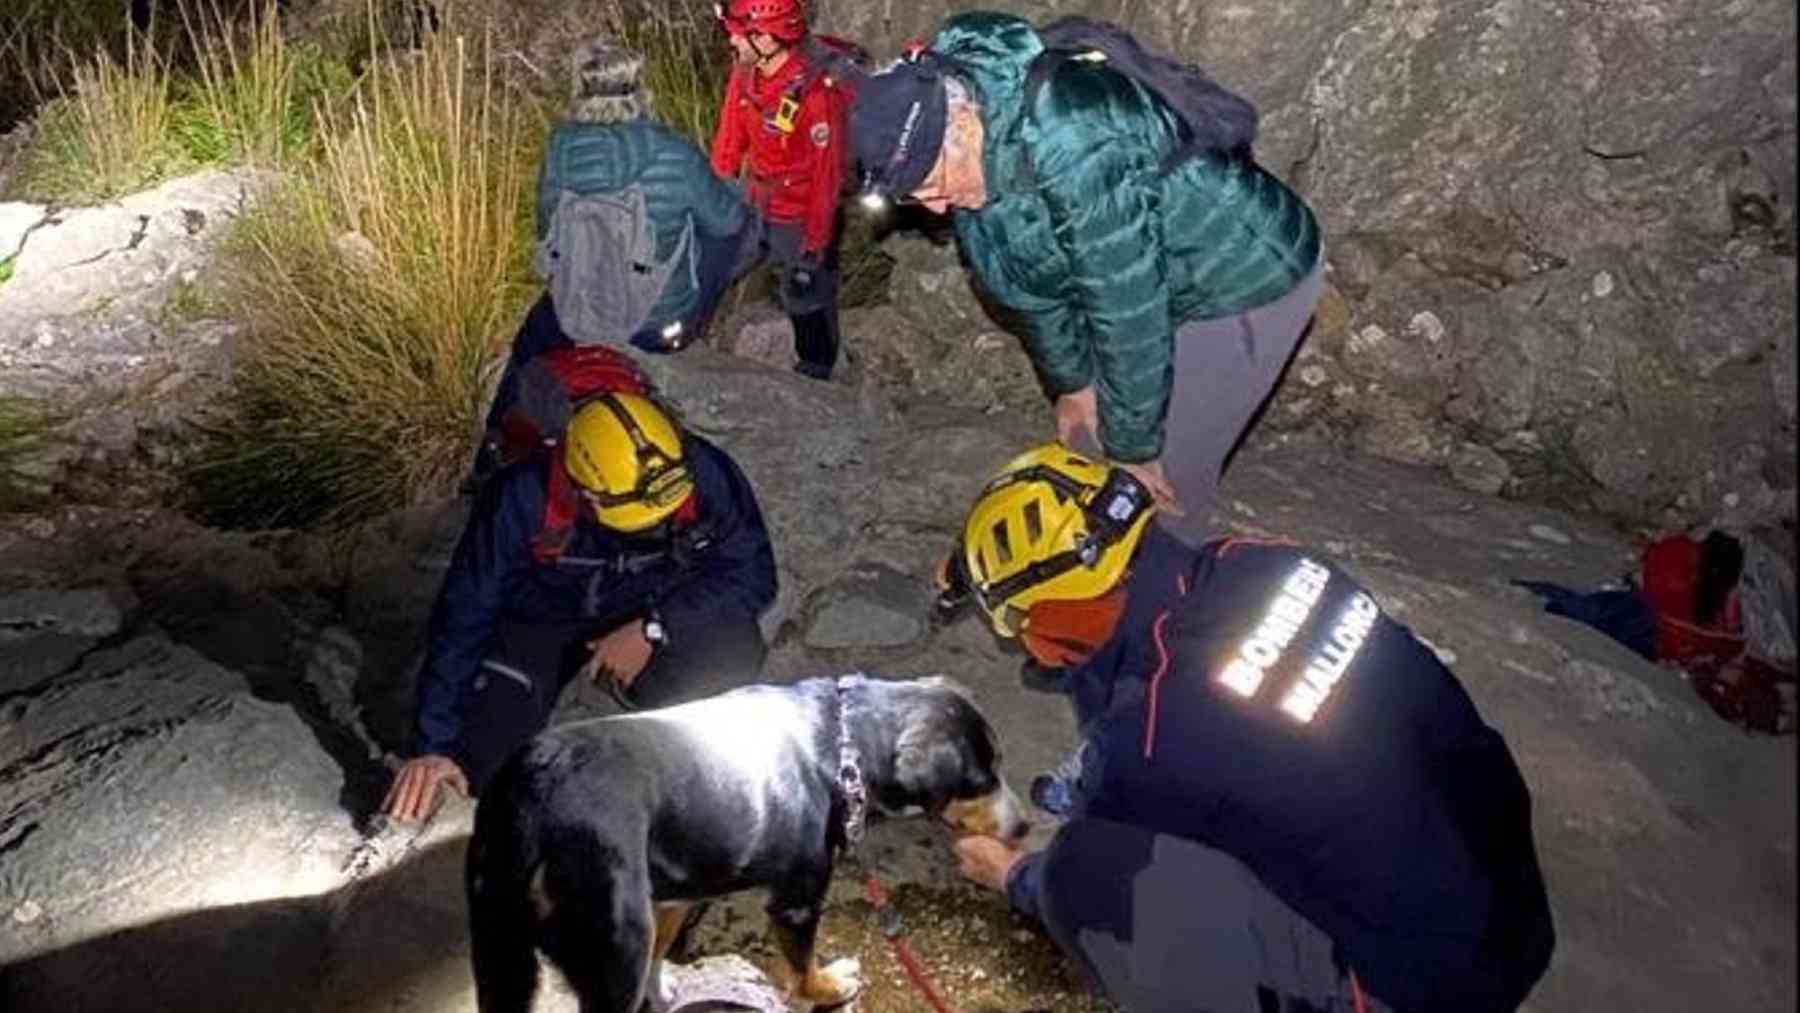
[(1671, 577), (1693, 589)]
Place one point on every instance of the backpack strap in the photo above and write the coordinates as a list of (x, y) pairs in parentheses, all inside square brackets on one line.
[(1211, 118), (1045, 66), (1039, 71), (561, 504)]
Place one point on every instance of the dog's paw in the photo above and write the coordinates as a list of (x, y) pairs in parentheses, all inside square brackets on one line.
[(661, 994), (834, 984)]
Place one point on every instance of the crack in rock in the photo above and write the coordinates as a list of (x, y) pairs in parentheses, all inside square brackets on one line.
[(137, 237)]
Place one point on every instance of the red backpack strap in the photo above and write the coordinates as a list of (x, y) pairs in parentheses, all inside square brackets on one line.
[(561, 504), (689, 510)]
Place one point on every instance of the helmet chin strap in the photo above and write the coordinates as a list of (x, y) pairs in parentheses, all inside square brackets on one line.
[(767, 61)]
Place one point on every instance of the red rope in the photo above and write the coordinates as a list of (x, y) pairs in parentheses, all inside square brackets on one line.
[(903, 953), (1358, 997), (1162, 669)]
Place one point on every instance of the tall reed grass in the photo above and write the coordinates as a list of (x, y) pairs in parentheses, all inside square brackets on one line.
[(374, 292), (245, 84)]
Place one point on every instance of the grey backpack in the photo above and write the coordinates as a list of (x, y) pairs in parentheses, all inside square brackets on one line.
[(599, 256)]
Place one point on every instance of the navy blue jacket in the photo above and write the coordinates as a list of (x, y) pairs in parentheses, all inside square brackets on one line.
[(1355, 779), (601, 575)]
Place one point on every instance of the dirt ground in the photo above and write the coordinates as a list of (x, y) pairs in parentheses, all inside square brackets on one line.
[(978, 955)]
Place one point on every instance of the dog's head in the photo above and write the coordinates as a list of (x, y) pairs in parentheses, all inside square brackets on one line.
[(946, 761)]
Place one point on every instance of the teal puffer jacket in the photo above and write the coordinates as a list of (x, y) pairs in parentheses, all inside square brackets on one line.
[(1097, 254), (676, 178)]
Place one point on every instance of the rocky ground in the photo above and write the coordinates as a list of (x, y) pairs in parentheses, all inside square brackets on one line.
[(193, 725)]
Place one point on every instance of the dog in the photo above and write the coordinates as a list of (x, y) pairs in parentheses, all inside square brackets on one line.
[(595, 840)]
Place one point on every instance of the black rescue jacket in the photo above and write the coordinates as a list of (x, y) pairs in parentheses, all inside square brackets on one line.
[(1256, 700)]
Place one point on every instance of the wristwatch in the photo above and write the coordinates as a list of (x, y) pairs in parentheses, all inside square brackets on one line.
[(655, 632)]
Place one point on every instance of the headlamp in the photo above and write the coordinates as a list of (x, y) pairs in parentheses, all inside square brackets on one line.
[(953, 589)]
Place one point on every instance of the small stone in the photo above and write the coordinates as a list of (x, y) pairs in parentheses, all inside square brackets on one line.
[(28, 912), (1603, 284), (1426, 325), (1549, 534), (1480, 469), (1314, 375)]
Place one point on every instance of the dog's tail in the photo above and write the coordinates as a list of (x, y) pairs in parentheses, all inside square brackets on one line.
[(503, 857)]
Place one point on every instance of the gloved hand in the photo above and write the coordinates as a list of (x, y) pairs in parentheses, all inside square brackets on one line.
[(801, 275)]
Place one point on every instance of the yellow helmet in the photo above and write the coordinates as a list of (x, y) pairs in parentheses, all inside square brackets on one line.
[(1051, 526), (625, 453)]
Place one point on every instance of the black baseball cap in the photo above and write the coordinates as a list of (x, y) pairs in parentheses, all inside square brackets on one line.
[(897, 124)]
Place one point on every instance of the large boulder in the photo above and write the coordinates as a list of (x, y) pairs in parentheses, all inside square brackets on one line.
[(144, 782)]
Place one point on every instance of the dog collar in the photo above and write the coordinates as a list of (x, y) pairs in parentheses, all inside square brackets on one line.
[(850, 776)]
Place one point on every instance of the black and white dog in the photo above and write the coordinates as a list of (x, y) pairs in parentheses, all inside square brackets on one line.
[(597, 837)]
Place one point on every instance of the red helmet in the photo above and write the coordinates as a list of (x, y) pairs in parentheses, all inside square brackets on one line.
[(781, 20)]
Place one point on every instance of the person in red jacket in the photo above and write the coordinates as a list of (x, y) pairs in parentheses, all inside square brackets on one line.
[(782, 127)]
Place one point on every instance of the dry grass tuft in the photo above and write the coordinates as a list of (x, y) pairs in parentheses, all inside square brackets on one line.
[(107, 131)]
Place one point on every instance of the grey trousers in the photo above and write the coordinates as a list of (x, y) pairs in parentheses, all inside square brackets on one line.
[(1165, 925), (1225, 369)]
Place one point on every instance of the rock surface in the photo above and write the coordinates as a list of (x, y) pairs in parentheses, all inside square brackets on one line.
[(103, 320)]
